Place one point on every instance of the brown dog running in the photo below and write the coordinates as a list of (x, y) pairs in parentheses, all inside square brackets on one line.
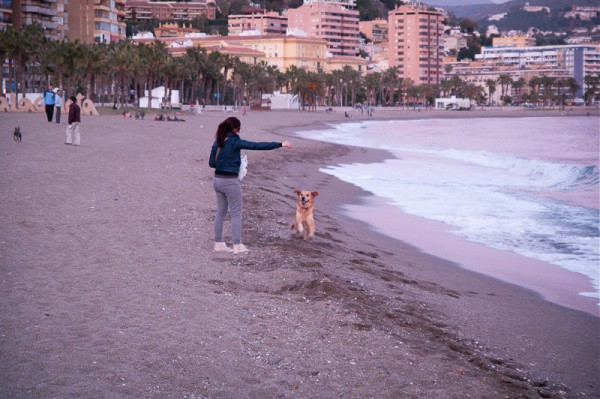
[(304, 221)]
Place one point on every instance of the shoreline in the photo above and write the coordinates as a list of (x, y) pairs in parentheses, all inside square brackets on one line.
[(111, 285), (554, 283)]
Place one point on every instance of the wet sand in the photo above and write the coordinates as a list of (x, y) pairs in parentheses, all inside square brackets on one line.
[(111, 289)]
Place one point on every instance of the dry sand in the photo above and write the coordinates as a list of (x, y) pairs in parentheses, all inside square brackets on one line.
[(110, 288)]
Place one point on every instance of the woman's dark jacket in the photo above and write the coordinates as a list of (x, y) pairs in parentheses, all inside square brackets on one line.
[(229, 158)]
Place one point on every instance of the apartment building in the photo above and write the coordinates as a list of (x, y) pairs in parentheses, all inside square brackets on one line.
[(335, 21), (174, 30), (48, 13), (479, 73), (416, 43), (169, 11), (578, 60), (280, 51), (263, 23), (6, 14), (109, 19), (375, 30), (85, 20), (513, 41)]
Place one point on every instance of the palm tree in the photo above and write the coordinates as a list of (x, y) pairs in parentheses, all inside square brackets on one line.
[(240, 77), (573, 86), (353, 80), (473, 92), (446, 87), (535, 83), (262, 81), (91, 56), (372, 82), (491, 85), (547, 83), (591, 87), (389, 82), (20, 46), (560, 97), (505, 83), (227, 62), (309, 86), (457, 84), (8, 39), (518, 86)]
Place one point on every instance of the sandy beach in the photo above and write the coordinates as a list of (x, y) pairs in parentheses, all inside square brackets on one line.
[(110, 287)]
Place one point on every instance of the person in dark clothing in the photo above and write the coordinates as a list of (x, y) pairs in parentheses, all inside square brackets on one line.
[(49, 100), (74, 122), (225, 158)]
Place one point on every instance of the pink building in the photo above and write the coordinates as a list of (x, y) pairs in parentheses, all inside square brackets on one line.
[(268, 23), (416, 43), (334, 21)]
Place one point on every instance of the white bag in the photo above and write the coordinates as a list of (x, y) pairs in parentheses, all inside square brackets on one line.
[(243, 167)]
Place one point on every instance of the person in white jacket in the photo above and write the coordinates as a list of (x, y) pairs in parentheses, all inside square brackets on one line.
[(58, 102)]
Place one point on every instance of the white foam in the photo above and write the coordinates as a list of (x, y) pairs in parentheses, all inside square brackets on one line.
[(489, 191)]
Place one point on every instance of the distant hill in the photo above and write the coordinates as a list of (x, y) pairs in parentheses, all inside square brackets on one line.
[(458, 3), (478, 12)]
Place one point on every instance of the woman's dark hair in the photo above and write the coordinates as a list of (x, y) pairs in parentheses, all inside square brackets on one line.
[(73, 99), (228, 125)]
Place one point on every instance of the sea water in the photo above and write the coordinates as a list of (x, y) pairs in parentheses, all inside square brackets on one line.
[(523, 185)]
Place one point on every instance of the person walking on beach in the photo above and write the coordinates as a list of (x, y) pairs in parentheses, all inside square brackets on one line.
[(49, 100), (74, 122), (58, 102), (225, 158)]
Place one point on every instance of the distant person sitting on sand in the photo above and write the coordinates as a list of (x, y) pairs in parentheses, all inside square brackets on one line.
[(174, 118), (225, 158), (346, 115), (126, 114)]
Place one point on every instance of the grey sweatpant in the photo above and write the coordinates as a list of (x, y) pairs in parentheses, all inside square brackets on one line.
[(229, 196)]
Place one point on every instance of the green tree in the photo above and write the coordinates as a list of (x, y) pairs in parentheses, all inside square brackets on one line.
[(505, 82), (518, 86), (491, 85)]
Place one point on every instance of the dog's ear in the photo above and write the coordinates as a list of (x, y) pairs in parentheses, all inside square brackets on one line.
[(297, 192), (315, 193)]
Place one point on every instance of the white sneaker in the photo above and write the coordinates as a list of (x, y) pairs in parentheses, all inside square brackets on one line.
[(239, 249), (222, 247)]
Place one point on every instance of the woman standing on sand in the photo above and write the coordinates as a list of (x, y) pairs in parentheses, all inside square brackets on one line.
[(225, 158)]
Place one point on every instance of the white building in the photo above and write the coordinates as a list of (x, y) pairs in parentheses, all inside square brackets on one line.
[(452, 103), (578, 60)]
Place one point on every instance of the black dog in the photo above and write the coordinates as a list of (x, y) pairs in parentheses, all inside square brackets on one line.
[(17, 135)]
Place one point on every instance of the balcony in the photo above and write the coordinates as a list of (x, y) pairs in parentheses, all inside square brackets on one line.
[(34, 9)]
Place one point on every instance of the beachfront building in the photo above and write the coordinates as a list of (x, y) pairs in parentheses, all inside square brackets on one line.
[(280, 51), (260, 23), (84, 20), (416, 43), (174, 30), (6, 14), (102, 22), (49, 14), (143, 10), (513, 41), (335, 21), (479, 73), (375, 30), (577, 60)]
